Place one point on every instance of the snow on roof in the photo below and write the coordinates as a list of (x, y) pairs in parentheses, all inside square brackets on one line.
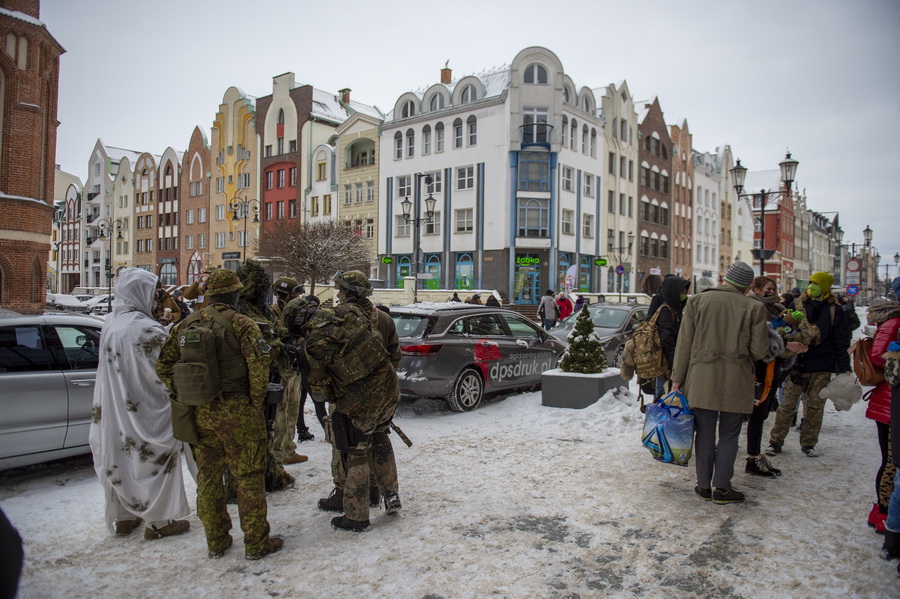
[(371, 111), (116, 154), (769, 180), (494, 81), (22, 17)]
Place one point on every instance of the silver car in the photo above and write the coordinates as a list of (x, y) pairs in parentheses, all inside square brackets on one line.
[(48, 366), (460, 352), (613, 324)]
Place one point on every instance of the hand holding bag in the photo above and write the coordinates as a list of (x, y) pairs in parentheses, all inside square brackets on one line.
[(669, 429)]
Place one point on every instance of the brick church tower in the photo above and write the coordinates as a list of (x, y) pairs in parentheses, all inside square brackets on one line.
[(29, 79)]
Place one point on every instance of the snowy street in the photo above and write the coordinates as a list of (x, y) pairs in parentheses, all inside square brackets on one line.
[(512, 500)]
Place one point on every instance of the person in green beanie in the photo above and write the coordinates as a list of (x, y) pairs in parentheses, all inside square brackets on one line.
[(815, 367)]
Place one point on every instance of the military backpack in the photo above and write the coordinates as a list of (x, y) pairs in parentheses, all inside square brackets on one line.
[(346, 342), (649, 359), (198, 374)]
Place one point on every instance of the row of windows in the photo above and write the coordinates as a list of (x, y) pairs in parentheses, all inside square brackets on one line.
[(463, 135), (654, 180), (570, 139), (243, 182), (322, 208), (279, 174), (353, 192), (438, 102), (655, 214), (655, 147), (654, 248), (626, 206), (567, 182), (275, 210), (292, 147), (189, 216), (623, 162)]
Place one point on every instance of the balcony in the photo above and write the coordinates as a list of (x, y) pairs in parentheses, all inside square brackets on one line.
[(359, 163), (92, 195)]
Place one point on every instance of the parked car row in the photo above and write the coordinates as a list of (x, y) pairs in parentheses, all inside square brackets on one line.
[(94, 304)]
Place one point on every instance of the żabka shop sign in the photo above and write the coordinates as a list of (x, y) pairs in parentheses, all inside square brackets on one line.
[(528, 260)]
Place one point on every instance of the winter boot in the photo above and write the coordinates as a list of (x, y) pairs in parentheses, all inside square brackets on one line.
[(759, 467), (334, 502), (810, 451), (125, 527), (272, 545), (305, 435), (722, 496), (173, 528), (218, 553), (345, 523), (891, 547), (392, 503), (769, 465), (874, 515), (773, 449)]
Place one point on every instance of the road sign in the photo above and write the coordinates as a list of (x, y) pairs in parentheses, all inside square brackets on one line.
[(853, 265), (853, 277), (852, 290), (620, 270), (423, 275)]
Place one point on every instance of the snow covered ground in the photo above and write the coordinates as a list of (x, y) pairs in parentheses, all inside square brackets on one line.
[(514, 500)]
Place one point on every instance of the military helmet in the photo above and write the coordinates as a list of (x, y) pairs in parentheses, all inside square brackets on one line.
[(284, 285), (223, 281), (354, 281)]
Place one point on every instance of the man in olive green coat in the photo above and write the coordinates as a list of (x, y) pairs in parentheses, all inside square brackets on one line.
[(721, 334)]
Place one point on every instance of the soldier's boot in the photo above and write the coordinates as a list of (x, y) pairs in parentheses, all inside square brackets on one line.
[(125, 527), (374, 496), (334, 502), (345, 523), (173, 528), (392, 503), (220, 551), (271, 545)]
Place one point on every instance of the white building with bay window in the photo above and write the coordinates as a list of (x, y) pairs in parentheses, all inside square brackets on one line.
[(513, 159)]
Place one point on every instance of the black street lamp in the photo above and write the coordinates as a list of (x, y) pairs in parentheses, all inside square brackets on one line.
[(620, 256), (416, 220), (237, 205), (106, 226), (739, 173), (867, 236)]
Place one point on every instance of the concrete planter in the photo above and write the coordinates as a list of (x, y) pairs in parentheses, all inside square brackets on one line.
[(573, 390)]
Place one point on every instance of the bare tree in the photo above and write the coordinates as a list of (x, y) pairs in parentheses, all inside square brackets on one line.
[(312, 252)]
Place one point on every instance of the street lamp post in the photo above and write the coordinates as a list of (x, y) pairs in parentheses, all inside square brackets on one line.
[(106, 226), (867, 236), (620, 255), (417, 221), (739, 173), (243, 206)]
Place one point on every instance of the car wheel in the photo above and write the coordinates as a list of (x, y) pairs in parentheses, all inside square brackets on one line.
[(467, 391), (617, 358)]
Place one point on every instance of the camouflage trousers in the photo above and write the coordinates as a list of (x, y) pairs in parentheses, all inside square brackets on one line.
[(232, 432), (367, 464), (810, 386), (286, 418)]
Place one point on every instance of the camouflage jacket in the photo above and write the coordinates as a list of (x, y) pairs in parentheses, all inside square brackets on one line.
[(253, 346)]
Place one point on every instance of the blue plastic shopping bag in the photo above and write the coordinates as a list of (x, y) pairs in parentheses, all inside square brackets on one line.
[(669, 429)]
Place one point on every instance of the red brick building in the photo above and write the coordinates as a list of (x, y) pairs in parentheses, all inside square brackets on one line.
[(655, 200), (194, 227), (682, 200), (29, 80)]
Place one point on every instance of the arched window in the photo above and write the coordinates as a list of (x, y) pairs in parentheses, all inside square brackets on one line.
[(404, 269), (565, 259), (584, 139), (437, 102), (465, 271), (408, 110), (433, 266), (573, 134), (468, 95), (398, 145), (565, 130), (536, 74), (410, 143), (586, 104), (280, 116), (566, 95), (439, 137), (458, 133), (593, 143), (426, 139), (472, 129), (584, 274)]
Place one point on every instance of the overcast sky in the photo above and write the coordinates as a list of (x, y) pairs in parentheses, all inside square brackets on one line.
[(816, 76)]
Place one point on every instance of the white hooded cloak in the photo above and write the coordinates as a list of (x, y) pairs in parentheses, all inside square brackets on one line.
[(135, 455)]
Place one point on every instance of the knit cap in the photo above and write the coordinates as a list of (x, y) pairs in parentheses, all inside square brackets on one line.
[(740, 275)]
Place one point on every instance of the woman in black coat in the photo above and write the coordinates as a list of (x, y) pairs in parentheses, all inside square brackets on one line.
[(673, 295)]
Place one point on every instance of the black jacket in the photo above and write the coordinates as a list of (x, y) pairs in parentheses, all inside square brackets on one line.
[(669, 320), (830, 354)]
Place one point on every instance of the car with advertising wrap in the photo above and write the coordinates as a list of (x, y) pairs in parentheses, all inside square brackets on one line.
[(48, 367), (614, 325), (461, 352)]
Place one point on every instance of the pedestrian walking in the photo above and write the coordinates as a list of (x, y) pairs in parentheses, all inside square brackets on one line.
[(721, 333), (548, 311)]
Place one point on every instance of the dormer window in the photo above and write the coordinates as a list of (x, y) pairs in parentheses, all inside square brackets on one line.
[(468, 95), (536, 74), (408, 109), (437, 102)]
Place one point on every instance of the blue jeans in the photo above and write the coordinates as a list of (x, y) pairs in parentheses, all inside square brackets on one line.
[(893, 517), (549, 323)]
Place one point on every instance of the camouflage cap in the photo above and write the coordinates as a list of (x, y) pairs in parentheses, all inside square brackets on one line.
[(355, 281), (284, 285), (223, 281)]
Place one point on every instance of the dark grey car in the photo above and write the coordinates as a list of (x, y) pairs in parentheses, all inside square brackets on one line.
[(48, 366), (613, 325), (461, 352)]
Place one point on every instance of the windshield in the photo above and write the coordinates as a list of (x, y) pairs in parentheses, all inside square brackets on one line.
[(609, 318)]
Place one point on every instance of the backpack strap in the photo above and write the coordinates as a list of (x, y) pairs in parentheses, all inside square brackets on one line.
[(222, 319)]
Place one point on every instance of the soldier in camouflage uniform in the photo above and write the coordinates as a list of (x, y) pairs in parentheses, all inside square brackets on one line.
[(368, 417), (253, 302), (286, 417), (230, 427)]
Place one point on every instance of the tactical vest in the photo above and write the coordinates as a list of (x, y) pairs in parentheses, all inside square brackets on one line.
[(344, 339), (212, 365)]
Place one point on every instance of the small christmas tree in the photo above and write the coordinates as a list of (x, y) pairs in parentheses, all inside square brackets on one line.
[(585, 353)]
